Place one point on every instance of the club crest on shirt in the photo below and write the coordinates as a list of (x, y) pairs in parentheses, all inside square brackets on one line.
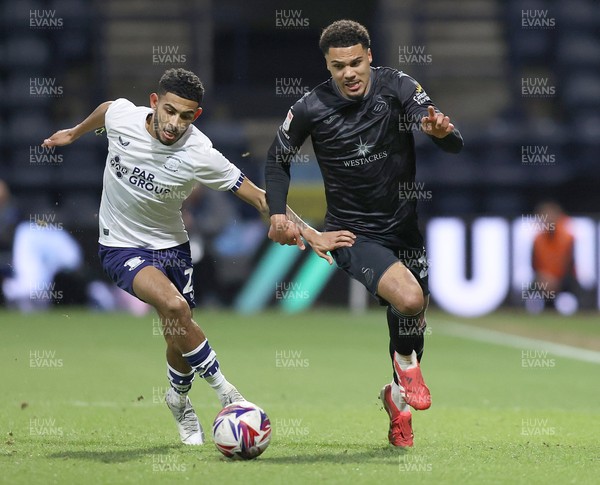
[(172, 164), (380, 105)]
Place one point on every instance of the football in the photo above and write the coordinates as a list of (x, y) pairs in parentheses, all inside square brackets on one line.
[(241, 431)]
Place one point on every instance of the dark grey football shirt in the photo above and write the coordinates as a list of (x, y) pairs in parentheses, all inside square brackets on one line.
[(366, 153)]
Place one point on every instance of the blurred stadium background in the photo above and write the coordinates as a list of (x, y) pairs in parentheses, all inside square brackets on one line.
[(521, 79)]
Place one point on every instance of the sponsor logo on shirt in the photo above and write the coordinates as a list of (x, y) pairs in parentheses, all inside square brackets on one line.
[(143, 179), (329, 120), (363, 148), (363, 151), (146, 180), (120, 170), (365, 160), (123, 142)]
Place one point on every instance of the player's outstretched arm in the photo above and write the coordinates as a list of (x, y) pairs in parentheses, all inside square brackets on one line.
[(321, 242), (289, 229), (436, 124), (94, 121), (253, 195), (285, 233), (442, 130)]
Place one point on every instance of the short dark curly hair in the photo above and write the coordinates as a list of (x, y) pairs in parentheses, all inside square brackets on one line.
[(344, 33), (183, 83)]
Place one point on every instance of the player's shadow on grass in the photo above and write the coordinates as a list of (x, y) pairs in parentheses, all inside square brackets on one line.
[(115, 456), (384, 455)]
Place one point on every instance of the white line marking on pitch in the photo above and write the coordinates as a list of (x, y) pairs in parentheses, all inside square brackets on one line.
[(500, 338)]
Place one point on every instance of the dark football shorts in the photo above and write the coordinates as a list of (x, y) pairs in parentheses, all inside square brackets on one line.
[(367, 260), (122, 264)]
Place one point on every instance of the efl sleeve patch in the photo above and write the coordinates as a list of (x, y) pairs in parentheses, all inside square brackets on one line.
[(288, 120)]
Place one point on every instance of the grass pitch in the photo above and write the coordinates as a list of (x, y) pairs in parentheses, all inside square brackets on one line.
[(82, 402)]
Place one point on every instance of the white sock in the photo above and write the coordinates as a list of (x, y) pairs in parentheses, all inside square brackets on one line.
[(406, 361), (398, 397), (218, 382)]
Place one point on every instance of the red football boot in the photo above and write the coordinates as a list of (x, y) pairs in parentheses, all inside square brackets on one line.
[(416, 392), (400, 433)]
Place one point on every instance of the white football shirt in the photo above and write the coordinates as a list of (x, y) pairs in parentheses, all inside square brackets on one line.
[(146, 182)]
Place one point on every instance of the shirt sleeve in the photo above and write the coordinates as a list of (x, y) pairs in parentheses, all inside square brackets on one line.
[(289, 138), (412, 97), (415, 101), (116, 110), (215, 171)]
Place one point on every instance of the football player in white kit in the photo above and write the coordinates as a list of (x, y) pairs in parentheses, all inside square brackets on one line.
[(155, 157)]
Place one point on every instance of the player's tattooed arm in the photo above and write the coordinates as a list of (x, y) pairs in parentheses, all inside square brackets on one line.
[(282, 230), (94, 121), (321, 242)]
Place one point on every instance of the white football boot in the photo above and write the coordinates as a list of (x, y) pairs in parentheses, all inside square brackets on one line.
[(190, 429), (231, 396)]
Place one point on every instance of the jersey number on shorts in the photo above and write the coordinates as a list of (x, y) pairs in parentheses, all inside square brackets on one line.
[(189, 287)]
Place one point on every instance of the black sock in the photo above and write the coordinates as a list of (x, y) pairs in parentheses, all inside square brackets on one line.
[(406, 334)]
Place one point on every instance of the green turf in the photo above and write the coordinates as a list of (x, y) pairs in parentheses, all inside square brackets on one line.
[(95, 414)]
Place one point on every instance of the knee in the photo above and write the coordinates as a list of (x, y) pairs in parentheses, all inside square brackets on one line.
[(409, 300), (176, 309)]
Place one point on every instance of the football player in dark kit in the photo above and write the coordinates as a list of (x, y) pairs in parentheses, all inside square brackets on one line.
[(367, 161)]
